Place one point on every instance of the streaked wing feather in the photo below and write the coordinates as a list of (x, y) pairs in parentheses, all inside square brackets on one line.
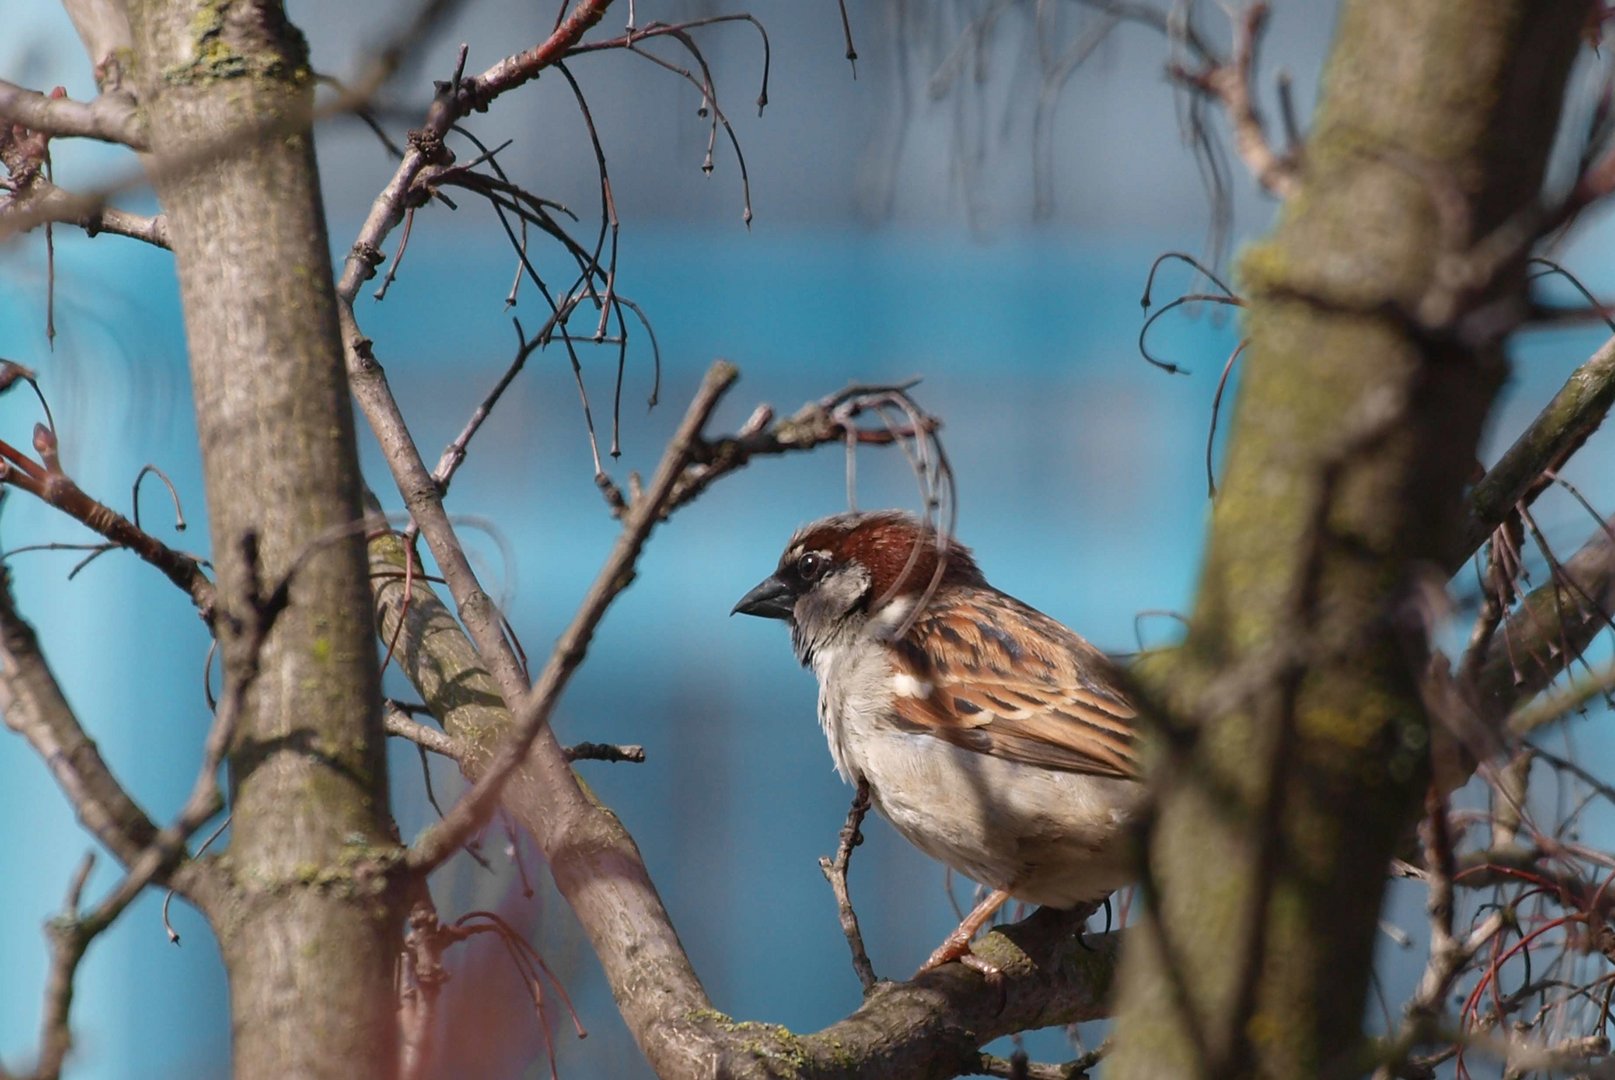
[(1042, 698)]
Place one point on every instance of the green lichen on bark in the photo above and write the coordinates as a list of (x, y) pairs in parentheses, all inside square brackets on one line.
[(1301, 737), (233, 39)]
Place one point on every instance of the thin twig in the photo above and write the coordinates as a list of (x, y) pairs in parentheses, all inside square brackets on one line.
[(1231, 84), (531, 715), (47, 482), (68, 938), (818, 423), (835, 872), (397, 722), (456, 101)]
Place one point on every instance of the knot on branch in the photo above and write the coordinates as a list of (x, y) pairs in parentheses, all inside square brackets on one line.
[(430, 145), (368, 254)]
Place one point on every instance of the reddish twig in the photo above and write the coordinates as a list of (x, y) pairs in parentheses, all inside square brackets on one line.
[(51, 485)]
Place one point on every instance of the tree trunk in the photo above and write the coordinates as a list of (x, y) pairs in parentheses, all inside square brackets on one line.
[(1296, 749), (309, 916)]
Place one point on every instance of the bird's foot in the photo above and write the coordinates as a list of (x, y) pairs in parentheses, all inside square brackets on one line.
[(956, 946)]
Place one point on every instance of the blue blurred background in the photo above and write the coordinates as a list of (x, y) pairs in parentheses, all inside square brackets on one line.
[(894, 237)]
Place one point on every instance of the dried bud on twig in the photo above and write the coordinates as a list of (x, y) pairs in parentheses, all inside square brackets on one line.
[(45, 446)]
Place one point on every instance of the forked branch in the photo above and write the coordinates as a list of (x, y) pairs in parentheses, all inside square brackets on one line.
[(1231, 83), (532, 714)]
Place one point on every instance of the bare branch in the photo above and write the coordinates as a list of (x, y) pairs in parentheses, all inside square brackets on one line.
[(426, 144), (110, 117), (423, 979), (51, 485), (1551, 627), (1230, 83), (455, 452), (34, 707), (835, 872), (1567, 421), (532, 713), (1017, 1067), (45, 202), (104, 28), (1578, 695), (1172, 24), (399, 723), (818, 423)]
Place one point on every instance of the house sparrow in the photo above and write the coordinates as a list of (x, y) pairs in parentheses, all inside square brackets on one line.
[(992, 737)]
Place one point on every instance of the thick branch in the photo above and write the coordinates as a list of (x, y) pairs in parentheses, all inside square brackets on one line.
[(110, 117), (312, 927), (1364, 241)]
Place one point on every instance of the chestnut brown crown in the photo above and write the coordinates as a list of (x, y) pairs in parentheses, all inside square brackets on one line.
[(900, 555)]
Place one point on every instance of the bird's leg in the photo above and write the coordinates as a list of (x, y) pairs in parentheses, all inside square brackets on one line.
[(956, 946)]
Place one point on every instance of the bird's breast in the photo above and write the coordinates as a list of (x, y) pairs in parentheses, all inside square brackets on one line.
[(1049, 837)]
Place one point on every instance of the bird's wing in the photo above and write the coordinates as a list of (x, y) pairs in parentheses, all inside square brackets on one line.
[(993, 675)]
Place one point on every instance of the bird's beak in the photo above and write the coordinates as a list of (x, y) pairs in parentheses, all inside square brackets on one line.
[(771, 599)]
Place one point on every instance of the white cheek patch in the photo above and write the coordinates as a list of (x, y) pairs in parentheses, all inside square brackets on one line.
[(886, 621), (905, 685)]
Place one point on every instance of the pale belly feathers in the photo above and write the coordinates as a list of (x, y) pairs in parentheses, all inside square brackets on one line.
[(1048, 837)]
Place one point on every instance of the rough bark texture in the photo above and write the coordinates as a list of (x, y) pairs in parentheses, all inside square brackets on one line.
[(1298, 748), (308, 921)]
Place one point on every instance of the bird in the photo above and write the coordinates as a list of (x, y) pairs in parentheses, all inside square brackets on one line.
[(993, 738)]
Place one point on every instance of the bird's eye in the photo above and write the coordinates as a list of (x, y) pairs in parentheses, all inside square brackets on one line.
[(810, 566)]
